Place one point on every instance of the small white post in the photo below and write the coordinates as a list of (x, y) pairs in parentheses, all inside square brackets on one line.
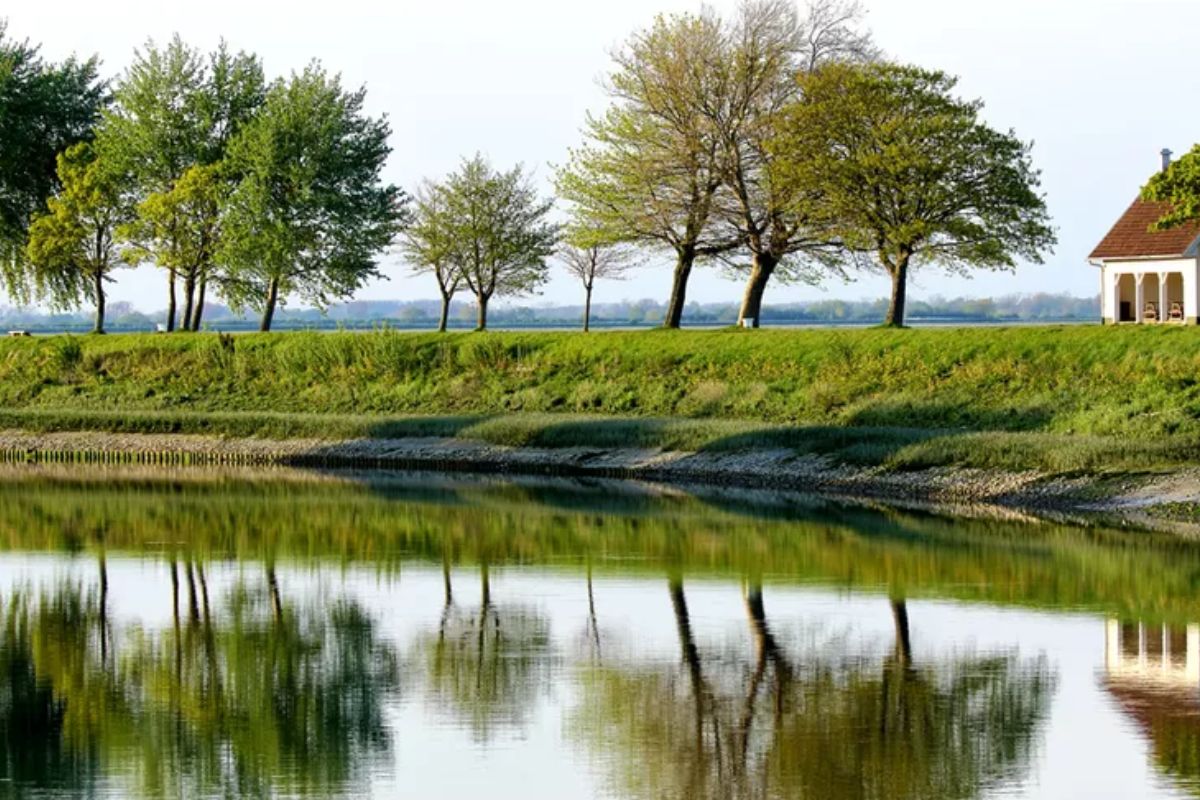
[(1162, 297)]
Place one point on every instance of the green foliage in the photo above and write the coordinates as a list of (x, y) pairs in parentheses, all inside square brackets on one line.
[(1178, 185), (906, 172), (492, 226), (766, 45), (649, 170), (73, 246), (430, 239), (179, 228), (309, 214), (158, 123), (174, 117), (44, 109)]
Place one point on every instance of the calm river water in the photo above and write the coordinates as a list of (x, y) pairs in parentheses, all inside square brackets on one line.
[(284, 634)]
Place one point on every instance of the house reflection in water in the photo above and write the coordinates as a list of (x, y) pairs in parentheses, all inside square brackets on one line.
[(1153, 672), (1152, 656)]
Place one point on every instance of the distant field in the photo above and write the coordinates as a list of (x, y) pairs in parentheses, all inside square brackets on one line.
[(1061, 398)]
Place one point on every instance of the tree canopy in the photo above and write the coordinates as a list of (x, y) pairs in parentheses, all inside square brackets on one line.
[(766, 45), (1178, 185), (44, 109), (74, 245), (650, 171), (175, 113), (908, 174), (310, 213), (429, 243), (498, 231)]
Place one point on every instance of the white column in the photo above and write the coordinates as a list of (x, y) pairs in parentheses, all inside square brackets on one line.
[(1193, 653), (1139, 298), (1112, 644), (1162, 296)]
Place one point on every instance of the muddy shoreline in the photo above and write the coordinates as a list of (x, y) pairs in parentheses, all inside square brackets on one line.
[(1130, 497)]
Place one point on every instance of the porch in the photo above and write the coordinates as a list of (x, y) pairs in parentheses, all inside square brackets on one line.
[(1149, 297)]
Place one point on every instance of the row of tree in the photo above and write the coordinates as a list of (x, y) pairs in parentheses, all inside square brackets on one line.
[(198, 165), (773, 143)]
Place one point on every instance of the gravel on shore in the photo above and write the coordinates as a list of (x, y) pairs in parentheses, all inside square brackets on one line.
[(773, 469)]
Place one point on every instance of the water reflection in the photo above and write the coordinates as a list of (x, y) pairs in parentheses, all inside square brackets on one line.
[(327, 638), (487, 664), (256, 697), (1153, 672), (815, 724)]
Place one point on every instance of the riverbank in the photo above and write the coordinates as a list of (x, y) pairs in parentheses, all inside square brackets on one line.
[(1056, 416), (1129, 495)]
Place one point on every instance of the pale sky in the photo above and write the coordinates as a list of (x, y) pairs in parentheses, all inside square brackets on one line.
[(1100, 86)]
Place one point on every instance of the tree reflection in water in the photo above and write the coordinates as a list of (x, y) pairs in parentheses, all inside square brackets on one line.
[(774, 726), (258, 699), (486, 666)]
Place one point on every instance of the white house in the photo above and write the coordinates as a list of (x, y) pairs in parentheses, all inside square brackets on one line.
[(1149, 276)]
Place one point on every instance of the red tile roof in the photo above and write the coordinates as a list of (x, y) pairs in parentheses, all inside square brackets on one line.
[(1132, 236)]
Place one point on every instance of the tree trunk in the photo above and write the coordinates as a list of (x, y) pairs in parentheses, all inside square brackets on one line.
[(903, 640), (103, 621), (170, 300), (482, 301), (189, 300), (685, 258), (198, 312), (899, 273), (98, 288), (444, 319), (175, 618), (193, 597), (269, 308), (761, 269), (587, 308), (691, 653), (276, 599)]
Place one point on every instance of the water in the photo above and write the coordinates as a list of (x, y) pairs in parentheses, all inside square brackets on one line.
[(286, 634)]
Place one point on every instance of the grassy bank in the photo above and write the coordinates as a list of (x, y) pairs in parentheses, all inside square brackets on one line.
[(1060, 399)]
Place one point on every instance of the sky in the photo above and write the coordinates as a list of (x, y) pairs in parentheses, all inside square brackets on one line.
[(1099, 87)]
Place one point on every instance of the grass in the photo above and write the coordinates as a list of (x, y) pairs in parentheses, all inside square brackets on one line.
[(1053, 398)]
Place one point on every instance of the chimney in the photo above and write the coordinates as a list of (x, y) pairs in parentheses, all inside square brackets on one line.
[(1166, 159)]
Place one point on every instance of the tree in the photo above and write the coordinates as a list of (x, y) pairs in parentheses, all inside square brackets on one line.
[(44, 109), (767, 44), (176, 111), (589, 260), (650, 169), (309, 214), (909, 174), (501, 238), (1179, 185), (429, 245), (73, 245), (157, 128), (188, 216), (235, 90)]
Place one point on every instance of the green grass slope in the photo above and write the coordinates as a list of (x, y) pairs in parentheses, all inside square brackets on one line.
[(1054, 397)]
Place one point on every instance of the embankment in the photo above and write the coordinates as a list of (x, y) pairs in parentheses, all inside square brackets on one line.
[(976, 411)]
